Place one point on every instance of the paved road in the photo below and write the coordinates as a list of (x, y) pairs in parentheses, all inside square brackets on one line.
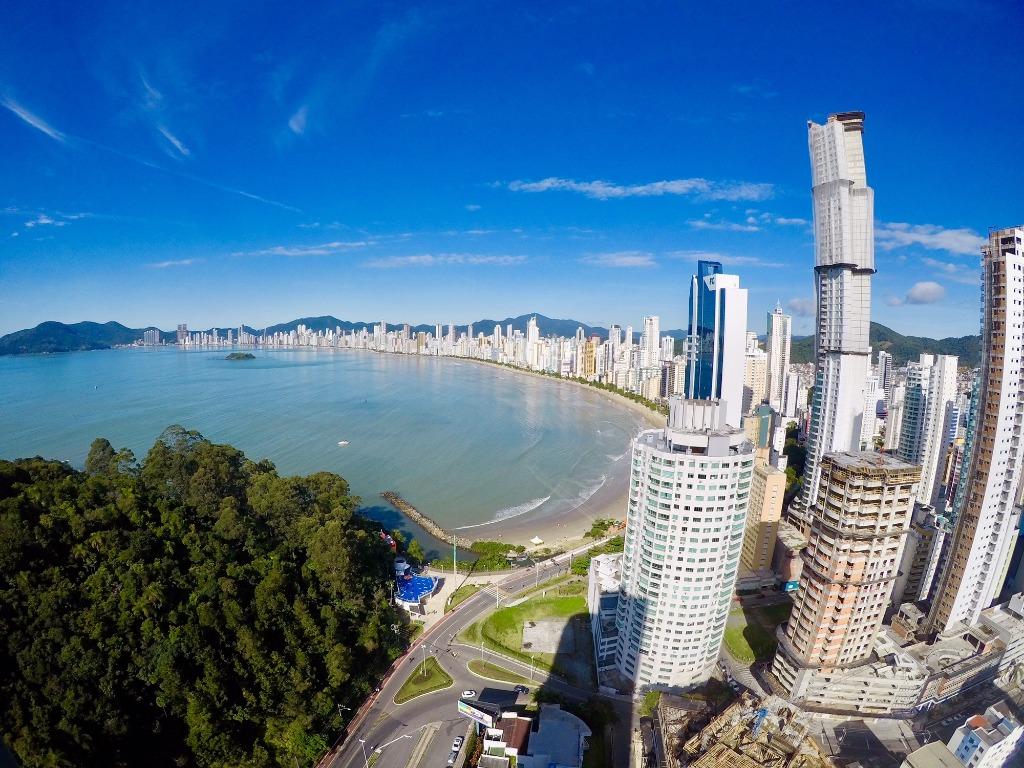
[(398, 729)]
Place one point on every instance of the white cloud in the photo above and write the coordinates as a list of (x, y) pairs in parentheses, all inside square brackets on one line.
[(34, 120), (795, 222), (606, 190), (619, 259), (958, 273), (472, 207), (297, 122), (319, 249), (802, 307), (890, 235), (725, 258), (444, 260), (724, 226), (174, 141), (924, 292), (42, 220), (755, 90), (174, 263)]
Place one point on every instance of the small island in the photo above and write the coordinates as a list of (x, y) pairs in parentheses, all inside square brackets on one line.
[(241, 356)]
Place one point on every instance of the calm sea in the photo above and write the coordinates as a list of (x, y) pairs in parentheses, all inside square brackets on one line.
[(465, 443)]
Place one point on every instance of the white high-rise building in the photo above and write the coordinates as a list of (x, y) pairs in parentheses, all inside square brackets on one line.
[(777, 343), (885, 373), (986, 507), (930, 389), (717, 339), (844, 261), (755, 376), (684, 532), (650, 343)]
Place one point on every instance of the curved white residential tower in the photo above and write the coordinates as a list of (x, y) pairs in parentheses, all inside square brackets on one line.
[(844, 260), (689, 490)]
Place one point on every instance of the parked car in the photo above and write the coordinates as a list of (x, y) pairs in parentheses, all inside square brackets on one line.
[(468, 694), (457, 744), (452, 758), (521, 689)]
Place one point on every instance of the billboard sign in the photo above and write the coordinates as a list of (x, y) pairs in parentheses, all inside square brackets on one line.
[(475, 713), (791, 586)]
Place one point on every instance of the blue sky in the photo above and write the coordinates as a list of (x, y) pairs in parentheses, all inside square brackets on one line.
[(254, 162)]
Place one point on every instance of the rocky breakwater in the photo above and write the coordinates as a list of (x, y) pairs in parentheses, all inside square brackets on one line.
[(430, 526)]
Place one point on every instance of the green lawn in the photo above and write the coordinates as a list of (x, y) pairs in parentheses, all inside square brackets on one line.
[(751, 636), (503, 629), (494, 672), (419, 683), (650, 703), (461, 594)]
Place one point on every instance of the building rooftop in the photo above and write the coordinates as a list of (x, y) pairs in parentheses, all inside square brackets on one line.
[(934, 755), (558, 736), (861, 461)]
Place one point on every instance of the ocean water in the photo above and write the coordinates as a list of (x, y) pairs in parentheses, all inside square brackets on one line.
[(466, 443)]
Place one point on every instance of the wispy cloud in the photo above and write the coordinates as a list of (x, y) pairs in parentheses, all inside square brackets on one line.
[(802, 307), (319, 249), (173, 263), (890, 235), (32, 119), (725, 258), (606, 190), (53, 133), (444, 260), (297, 122), (924, 292), (621, 259), (958, 273), (43, 220), (791, 222), (472, 207), (755, 90), (723, 226), (174, 141)]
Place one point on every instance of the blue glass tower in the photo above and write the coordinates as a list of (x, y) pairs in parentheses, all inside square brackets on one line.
[(703, 330)]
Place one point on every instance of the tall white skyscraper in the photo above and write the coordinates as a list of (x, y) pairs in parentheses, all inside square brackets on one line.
[(777, 343), (930, 389), (650, 343), (986, 507), (844, 260), (885, 373), (717, 339), (682, 547)]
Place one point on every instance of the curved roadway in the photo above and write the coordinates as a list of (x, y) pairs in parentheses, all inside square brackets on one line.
[(425, 726)]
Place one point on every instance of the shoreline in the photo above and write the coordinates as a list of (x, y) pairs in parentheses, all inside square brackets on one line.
[(565, 529)]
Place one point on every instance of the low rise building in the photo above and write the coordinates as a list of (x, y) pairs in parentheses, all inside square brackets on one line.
[(934, 755), (991, 740)]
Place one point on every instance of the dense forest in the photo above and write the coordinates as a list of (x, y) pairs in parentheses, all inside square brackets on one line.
[(194, 608)]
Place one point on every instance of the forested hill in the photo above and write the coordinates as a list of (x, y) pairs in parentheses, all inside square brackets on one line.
[(194, 608), (903, 348)]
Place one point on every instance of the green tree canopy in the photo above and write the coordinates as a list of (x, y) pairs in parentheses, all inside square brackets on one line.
[(193, 609)]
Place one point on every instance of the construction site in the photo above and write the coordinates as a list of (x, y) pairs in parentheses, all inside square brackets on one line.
[(749, 733)]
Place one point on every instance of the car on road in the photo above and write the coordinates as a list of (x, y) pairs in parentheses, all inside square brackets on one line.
[(457, 744), (521, 689), (468, 694), (452, 758)]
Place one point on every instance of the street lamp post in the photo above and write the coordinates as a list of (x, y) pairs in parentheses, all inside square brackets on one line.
[(423, 647), (531, 667), (366, 763)]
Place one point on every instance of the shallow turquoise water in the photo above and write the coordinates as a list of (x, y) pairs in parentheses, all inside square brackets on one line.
[(464, 442)]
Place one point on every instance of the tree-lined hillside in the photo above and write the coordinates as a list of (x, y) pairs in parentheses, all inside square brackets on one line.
[(195, 608), (903, 348)]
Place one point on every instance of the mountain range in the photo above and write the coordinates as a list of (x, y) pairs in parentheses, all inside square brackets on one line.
[(52, 336)]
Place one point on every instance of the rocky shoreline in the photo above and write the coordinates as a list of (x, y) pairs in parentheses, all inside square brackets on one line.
[(424, 522)]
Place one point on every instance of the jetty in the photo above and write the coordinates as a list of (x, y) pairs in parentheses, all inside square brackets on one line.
[(424, 522)]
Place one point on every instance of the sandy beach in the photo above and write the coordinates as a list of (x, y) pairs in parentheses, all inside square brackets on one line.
[(564, 529)]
